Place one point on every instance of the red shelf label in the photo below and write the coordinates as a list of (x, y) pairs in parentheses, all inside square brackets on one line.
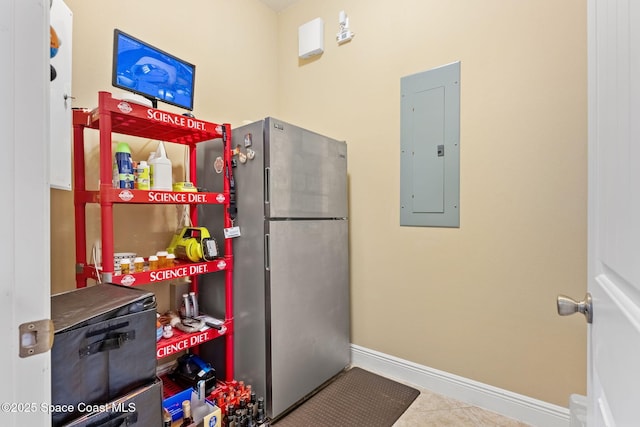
[(138, 120), (123, 195), (182, 270), (182, 341), (182, 121)]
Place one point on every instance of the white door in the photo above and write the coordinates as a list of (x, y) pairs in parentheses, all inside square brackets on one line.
[(614, 212), (24, 173)]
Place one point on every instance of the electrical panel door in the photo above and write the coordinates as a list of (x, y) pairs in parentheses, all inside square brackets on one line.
[(430, 148)]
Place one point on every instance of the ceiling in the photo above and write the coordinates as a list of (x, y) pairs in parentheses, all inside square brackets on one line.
[(279, 5)]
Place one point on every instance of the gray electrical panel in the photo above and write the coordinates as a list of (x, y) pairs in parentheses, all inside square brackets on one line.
[(430, 148)]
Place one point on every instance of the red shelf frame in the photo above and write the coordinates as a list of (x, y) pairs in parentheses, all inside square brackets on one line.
[(121, 117)]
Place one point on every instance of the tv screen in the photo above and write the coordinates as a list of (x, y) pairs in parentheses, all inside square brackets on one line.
[(148, 71)]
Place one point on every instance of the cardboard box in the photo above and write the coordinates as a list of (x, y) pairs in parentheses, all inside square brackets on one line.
[(214, 419)]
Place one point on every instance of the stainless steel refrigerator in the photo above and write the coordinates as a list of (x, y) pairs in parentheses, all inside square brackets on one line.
[(291, 265)]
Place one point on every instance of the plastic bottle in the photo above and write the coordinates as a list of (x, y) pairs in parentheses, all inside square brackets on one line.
[(161, 174), (123, 167), (143, 179)]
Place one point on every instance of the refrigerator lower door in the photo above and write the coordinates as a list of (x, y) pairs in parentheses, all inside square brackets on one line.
[(308, 307)]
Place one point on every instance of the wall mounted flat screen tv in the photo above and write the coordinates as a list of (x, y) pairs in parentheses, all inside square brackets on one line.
[(148, 71)]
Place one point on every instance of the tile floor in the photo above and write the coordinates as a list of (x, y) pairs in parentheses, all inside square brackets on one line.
[(431, 409)]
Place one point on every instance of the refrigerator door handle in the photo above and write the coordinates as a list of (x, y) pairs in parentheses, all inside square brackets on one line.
[(267, 186), (267, 256)]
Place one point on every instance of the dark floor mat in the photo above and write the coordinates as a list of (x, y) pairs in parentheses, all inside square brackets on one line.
[(355, 398)]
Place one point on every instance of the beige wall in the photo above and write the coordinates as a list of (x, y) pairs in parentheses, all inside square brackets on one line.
[(478, 301)]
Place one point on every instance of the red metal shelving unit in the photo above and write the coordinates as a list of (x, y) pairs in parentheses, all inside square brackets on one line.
[(121, 117)]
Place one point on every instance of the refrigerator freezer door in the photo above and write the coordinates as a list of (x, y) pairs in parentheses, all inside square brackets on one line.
[(308, 288), (307, 173)]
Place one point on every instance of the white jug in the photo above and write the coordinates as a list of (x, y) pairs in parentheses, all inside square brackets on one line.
[(161, 174)]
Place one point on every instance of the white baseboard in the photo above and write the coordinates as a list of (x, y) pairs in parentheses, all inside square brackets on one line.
[(519, 407)]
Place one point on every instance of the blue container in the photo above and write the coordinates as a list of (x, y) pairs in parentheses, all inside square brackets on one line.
[(124, 166), (173, 404)]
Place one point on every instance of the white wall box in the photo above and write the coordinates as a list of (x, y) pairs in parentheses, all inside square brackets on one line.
[(311, 38)]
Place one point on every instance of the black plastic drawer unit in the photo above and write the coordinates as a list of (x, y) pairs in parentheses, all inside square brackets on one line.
[(104, 347)]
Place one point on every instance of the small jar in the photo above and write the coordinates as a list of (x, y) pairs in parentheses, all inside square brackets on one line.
[(171, 259), (167, 331), (125, 266), (153, 262), (162, 259), (138, 265)]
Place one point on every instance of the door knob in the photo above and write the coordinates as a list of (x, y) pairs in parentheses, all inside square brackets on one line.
[(567, 306)]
